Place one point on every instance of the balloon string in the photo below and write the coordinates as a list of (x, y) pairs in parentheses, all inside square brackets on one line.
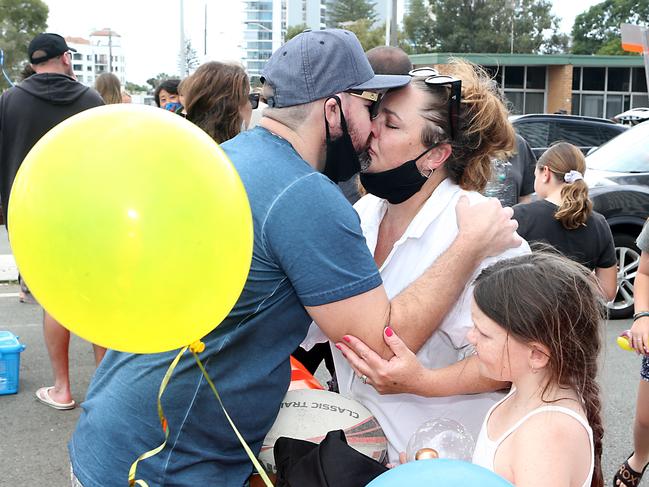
[(251, 455), (163, 421)]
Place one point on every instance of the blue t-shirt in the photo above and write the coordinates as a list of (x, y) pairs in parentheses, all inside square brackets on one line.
[(308, 250)]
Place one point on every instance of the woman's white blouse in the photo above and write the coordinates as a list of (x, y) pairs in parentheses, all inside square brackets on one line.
[(429, 234)]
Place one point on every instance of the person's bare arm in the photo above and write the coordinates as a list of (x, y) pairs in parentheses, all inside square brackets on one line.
[(525, 199), (404, 373), (607, 281), (485, 229), (640, 328)]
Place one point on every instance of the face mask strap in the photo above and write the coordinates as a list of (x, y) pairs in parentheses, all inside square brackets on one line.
[(343, 122)]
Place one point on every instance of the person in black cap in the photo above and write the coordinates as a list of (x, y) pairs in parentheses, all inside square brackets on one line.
[(27, 112), (310, 261)]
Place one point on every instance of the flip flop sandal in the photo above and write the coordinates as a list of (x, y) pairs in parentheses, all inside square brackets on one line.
[(43, 395), (626, 476)]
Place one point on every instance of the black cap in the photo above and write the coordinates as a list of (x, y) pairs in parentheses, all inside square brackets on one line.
[(51, 44)]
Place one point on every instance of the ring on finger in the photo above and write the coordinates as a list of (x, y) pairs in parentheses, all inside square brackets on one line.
[(363, 379)]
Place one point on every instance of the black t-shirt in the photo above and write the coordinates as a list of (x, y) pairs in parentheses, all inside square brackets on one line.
[(513, 178), (591, 245)]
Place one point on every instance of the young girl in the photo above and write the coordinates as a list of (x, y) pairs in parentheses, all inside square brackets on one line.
[(631, 471), (564, 215), (536, 324)]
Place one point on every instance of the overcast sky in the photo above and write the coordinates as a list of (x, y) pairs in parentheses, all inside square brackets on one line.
[(150, 28)]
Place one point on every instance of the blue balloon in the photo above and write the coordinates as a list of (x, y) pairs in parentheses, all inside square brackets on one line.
[(439, 472)]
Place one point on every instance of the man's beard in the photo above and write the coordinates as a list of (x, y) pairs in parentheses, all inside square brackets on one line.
[(365, 160)]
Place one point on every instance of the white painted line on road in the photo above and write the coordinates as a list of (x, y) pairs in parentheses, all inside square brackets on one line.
[(22, 325), (9, 295)]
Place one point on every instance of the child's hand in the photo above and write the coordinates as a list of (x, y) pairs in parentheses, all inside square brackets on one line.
[(639, 335), (402, 460)]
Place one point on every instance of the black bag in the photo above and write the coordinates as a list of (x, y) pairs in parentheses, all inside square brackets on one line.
[(332, 463)]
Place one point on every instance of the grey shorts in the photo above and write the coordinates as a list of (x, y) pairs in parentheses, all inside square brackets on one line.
[(644, 370)]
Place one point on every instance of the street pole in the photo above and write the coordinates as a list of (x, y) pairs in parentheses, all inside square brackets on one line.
[(110, 50), (394, 29), (205, 32), (645, 55), (511, 42), (388, 16), (183, 53)]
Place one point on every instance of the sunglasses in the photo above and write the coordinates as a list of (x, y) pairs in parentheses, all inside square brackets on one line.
[(433, 78), (373, 96), (253, 98)]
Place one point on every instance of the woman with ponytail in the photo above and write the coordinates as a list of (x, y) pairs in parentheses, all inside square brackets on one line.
[(564, 215), (537, 322)]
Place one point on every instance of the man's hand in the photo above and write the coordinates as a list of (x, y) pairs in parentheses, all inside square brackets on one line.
[(487, 226), (402, 373)]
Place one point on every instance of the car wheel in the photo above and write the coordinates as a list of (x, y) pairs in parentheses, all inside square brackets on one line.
[(628, 260)]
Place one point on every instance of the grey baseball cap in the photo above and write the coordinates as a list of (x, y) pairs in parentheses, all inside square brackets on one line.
[(320, 63)]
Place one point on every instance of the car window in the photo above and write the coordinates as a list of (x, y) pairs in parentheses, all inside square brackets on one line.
[(628, 152), (608, 133), (579, 134), (536, 133)]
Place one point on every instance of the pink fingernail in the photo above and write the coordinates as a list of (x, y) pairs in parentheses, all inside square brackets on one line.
[(339, 347), (347, 339), (388, 331)]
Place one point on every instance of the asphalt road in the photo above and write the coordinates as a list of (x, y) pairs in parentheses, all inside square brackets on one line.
[(33, 437)]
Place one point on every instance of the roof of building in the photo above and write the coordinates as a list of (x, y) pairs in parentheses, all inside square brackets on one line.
[(76, 40), (505, 59), (105, 32)]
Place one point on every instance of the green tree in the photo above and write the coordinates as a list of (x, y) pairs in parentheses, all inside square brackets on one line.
[(368, 37), (486, 26), (340, 12), (418, 27), (294, 30), (20, 21), (597, 30), (159, 78), (191, 61), (135, 88)]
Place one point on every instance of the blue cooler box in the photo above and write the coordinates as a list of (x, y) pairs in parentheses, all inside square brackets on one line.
[(10, 349)]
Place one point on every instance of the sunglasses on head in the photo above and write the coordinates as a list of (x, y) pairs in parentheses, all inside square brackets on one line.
[(433, 78), (253, 98), (373, 96)]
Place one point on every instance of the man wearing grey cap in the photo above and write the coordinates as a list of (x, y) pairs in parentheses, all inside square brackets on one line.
[(310, 262)]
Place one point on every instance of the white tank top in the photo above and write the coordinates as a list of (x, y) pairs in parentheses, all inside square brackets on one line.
[(485, 449)]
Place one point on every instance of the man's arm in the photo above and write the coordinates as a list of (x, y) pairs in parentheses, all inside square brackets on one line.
[(485, 229)]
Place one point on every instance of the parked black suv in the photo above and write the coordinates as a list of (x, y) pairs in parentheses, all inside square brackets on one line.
[(542, 130), (618, 180)]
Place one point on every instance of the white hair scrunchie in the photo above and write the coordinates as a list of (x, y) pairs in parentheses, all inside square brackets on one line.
[(572, 176)]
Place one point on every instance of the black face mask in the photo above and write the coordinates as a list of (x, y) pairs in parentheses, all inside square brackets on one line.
[(341, 162), (398, 184)]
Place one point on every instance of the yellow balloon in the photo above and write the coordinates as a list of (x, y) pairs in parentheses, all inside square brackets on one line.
[(131, 228), (624, 343)]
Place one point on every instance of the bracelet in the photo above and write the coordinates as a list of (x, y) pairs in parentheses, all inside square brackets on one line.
[(640, 314)]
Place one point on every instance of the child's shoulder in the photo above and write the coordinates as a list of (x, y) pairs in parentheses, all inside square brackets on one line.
[(558, 432)]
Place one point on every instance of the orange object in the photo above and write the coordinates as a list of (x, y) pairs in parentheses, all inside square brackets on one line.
[(301, 378)]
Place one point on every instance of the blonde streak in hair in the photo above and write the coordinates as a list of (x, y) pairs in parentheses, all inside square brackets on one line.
[(488, 122), (575, 206)]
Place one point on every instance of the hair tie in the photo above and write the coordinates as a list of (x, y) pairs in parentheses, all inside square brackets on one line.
[(572, 176)]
